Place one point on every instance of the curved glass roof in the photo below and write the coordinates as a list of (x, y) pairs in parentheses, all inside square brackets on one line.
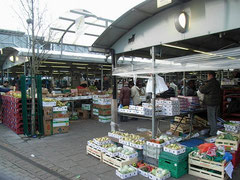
[(79, 27)]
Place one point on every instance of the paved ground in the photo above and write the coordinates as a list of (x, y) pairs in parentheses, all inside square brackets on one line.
[(61, 156)]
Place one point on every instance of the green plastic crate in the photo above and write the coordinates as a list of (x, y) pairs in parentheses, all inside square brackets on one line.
[(175, 158), (177, 169)]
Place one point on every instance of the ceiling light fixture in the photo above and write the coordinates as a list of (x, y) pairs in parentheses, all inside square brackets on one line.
[(182, 22)]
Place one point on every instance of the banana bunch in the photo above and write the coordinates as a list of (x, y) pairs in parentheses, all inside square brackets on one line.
[(59, 103), (48, 100)]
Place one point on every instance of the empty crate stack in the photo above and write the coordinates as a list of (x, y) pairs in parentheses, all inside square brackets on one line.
[(12, 113)]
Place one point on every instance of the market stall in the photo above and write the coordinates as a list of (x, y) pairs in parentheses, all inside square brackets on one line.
[(162, 36)]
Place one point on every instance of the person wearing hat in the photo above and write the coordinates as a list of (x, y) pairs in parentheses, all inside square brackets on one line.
[(212, 99)]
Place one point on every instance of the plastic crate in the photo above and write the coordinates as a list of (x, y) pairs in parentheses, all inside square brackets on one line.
[(177, 169), (151, 161), (192, 142), (176, 158)]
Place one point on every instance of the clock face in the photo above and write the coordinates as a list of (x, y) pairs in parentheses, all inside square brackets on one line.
[(181, 22)]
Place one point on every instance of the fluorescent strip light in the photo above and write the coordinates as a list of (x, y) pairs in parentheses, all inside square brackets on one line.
[(206, 53), (161, 3), (79, 64), (60, 66), (232, 58), (42, 66), (107, 65), (81, 68), (51, 62), (176, 47)]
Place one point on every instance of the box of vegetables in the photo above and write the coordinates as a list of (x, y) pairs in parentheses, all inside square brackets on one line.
[(128, 154), (126, 172), (159, 174), (228, 140)]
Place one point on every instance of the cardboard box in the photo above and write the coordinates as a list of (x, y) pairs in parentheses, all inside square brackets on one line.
[(48, 129), (60, 108), (61, 114), (60, 130), (48, 113)]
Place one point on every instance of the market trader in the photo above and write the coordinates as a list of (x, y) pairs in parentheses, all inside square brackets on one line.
[(212, 99), (125, 95)]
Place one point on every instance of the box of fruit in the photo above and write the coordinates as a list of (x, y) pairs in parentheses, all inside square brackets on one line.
[(156, 143), (143, 171), (159, 174), (122, 141), (101, 141), (128, 154), (137, 144), (126, 172), (91, 144), (174, 149), (115, 134), (103, 148)]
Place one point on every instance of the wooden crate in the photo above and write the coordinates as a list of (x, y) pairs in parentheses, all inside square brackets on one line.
[(183, 128), (185, 120), (229, 145), (94, 152), (117, 162), (201, 121), (201, 168)]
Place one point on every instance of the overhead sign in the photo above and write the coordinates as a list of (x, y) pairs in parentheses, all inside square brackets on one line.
[(161, 3)]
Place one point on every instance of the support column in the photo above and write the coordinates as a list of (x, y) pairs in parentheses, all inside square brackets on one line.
[(8, 74), (25, 69), (184, 83), (114, 110), (102, 77), (153, 93)]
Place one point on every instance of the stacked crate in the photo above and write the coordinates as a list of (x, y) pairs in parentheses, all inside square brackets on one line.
[(176, 164), (60, 120), (102, 108), (12, 113)]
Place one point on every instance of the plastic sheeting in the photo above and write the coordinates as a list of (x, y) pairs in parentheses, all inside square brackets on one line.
[(160, 85), (219, 60)]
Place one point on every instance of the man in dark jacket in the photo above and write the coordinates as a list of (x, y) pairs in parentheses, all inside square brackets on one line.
[(125, 95), (212, 98)]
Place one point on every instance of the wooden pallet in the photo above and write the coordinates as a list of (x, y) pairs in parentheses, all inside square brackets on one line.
[(229, 145), (94, 152), (202, 167), (117, 162)]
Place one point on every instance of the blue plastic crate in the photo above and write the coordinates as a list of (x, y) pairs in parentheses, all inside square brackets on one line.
[(192, 142)]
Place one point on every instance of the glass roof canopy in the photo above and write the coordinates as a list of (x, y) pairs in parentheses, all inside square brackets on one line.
[(78, 27)]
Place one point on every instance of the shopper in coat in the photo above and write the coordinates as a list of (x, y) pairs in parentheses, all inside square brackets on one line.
[(212, 99), (125, 95), (135, 94)]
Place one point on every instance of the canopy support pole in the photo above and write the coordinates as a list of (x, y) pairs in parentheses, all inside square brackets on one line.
[(153, 92), (114, 105), (101, 77)]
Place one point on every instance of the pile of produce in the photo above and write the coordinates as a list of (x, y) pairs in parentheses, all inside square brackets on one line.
[(114, 149), (101, 139), (147, 168), (159, 173), (128, 151), (174, 146), (228, 136), (107, 145), (48, 100), (126, 169), (139, 164), (160, 141), (138, 142)]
